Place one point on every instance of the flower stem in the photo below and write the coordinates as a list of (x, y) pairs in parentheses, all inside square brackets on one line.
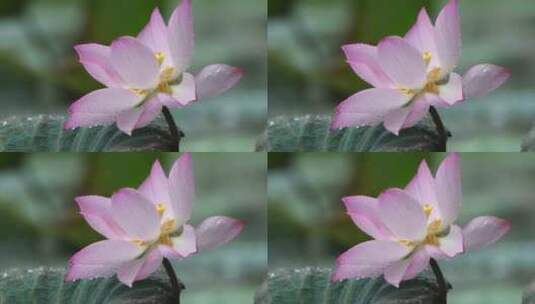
[(442, 133), (442, 286), (175, 282), (176, 133)]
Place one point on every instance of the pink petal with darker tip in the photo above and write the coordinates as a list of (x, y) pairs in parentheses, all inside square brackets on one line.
[(216, 231), (216, 79), (483, 79), (483, 231)]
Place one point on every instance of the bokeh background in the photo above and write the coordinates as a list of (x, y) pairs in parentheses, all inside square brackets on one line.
[(39, 72), (40, 223), (308, 225), (308, 72)]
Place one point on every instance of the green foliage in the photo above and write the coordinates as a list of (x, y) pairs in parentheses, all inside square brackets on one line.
[(46, 285), (529, 142), (46, 133), (379, 18), (312, 285), (11, 7), (313, 133), (36, 193), (112, 19), (278, 8), (529, 295)]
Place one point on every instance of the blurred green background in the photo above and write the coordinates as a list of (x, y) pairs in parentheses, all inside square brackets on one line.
[(40, 224), (308, 72), (308, 225), (39, 72)]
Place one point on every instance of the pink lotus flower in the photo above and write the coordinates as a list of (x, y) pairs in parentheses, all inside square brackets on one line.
[(144, 74), (412, 225), (413, 73), (145, 225)]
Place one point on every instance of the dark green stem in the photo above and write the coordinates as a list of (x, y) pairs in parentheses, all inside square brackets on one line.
[(442, 286), (442, 133), (176, 133), (175, 282)]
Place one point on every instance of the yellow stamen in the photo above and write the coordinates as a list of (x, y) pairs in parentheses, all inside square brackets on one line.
[(406, 242), (434, 75), (427, 209), (435, 227), (165, 239), (160, 57), (167, 74), (407, 91), (427, 57), (432, 88), (167, 227), (160, 208), (164, 87), (139, 242), (139, 91), (432, 239)]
